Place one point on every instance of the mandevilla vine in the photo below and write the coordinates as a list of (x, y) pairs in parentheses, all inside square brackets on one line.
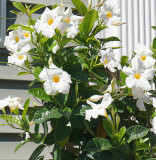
[(94, 113)]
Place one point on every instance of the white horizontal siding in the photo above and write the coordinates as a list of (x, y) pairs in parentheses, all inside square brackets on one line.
[(50, 2), (7, 150)]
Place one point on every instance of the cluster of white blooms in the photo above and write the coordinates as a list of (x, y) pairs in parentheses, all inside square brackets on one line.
[(107, 58), (110, 14), (12, 103), (98, 109), (59, 18), (19, 43), (56, 80), (140, 73)]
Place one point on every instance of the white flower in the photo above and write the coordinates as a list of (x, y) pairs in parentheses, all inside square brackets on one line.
[(72, 31), (48, 23), (55, 48), (13, 103), (99, 109), (139, 94), (145, 54), (107, 58), (19, 38), (55, 80), (27, 135), (108, 12), (154, 125), (138, 76), (95, 98), (19, 57)]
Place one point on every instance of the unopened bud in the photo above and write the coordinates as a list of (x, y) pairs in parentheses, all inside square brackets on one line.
[(95, 98), (119, 23), (50, 61)]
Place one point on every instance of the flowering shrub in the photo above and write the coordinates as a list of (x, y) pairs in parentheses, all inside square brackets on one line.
[(93, 114)]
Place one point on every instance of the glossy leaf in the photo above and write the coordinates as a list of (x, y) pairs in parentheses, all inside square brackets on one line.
[(19, 6), (40, 93), (26, 106), (15, 26), (37, 152), (123, 77), (21, 144), (36, 72), (97, 29), (154, 27), (62, 131), (44, 115), (36, 8), (135, 132), (8, 118), (98, 144), (88, 22), (124, 60), (22, 73), (80, 6)]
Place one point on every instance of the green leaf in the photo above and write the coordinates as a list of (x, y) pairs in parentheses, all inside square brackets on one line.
[(80, 6), (97, 145), (15, 26), (109, 39), (123, 77), (21, 144), (122, 132), (15, 12), (44, 39), (61, 132), (66, 112), (19, 6), (44, 115), (124, 60), (32, 112), (36, 72), (37, 152), (26, 106), (154, 27), (36, 8), (52, 45), (22, 73), (56, 153), (153, 92), (135, 132), (90, 18), (40, 93), (8, 118), (154, 43), (97, 29), (107, 126)]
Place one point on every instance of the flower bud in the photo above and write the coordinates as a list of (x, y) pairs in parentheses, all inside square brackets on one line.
[(95, 98)]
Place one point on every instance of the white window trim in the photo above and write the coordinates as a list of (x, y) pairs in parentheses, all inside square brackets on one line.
[(2, 22)]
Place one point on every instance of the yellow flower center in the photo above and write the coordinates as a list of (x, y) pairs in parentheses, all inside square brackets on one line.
[(67, 19), (16, 39), (109, 14), (137, 75), (20, 56), (26, 34), (143, 57), (56, 78), (106, 61), (50, 21)]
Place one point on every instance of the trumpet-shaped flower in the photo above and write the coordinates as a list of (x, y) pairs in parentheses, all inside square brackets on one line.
[(56, 80), (138, 76), (145, 54), (107, 58), (109, 12), (154, 125), (99, 109), (48, 23), (139, 94), (18, 38), (19, 57), (12, 103)]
